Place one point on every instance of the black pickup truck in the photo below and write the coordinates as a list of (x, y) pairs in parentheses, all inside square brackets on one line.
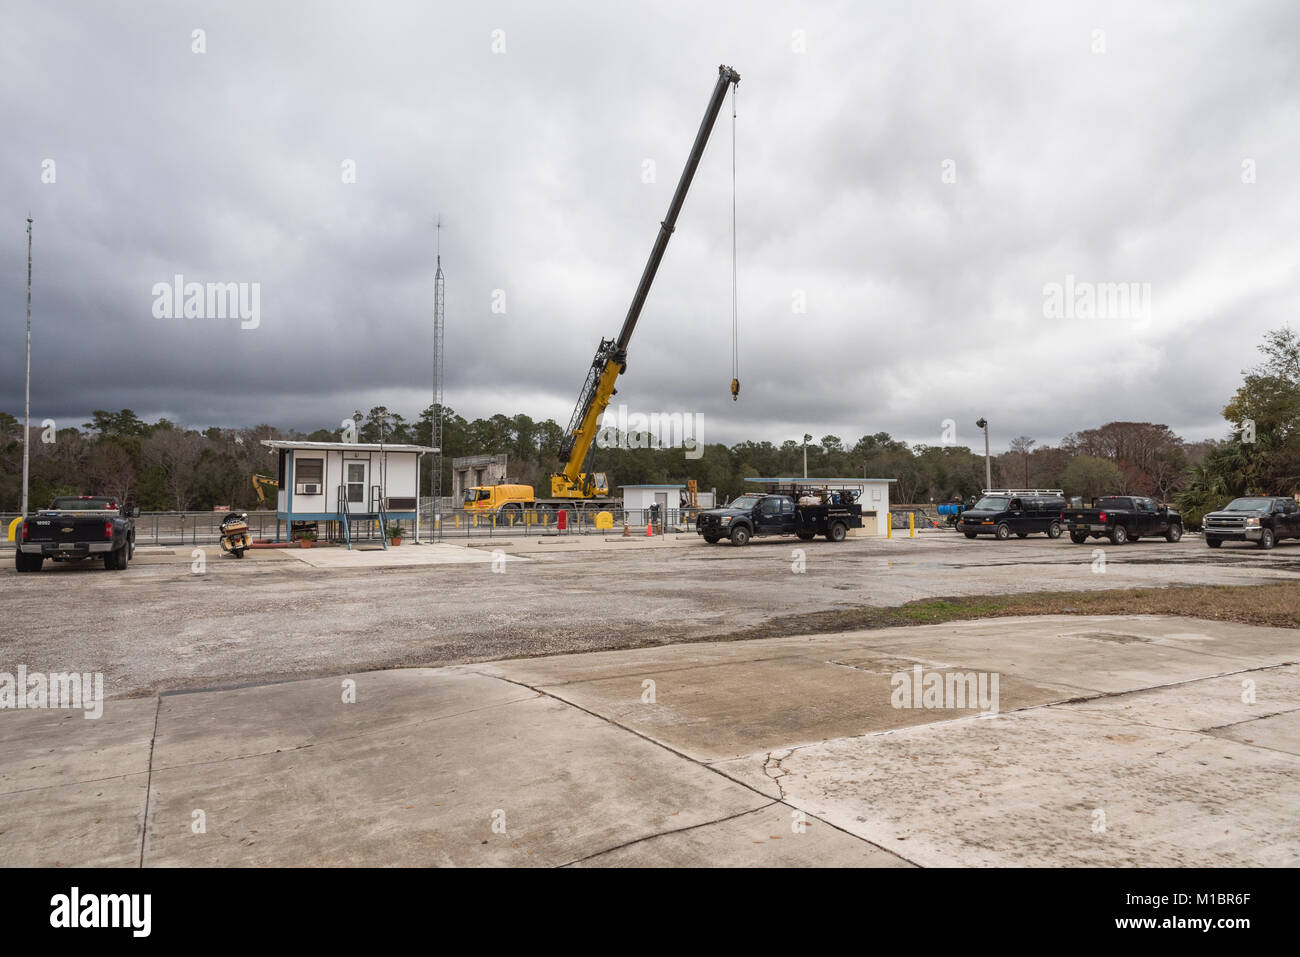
[(779, 514), (1260, 519), (75, 528), (1122, 518)]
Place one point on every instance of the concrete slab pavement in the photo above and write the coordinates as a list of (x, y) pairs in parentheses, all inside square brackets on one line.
[(373, 556), (1126, 741)]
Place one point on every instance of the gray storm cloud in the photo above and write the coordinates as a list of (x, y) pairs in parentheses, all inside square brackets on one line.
[(915, 175)]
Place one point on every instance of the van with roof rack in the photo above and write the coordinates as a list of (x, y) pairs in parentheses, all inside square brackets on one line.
[(1003, 512)]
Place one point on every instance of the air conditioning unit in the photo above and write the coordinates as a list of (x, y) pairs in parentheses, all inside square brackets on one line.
[(307, 488), (395, 504)]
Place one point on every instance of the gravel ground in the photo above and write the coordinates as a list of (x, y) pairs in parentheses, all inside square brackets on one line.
[(158, 626)]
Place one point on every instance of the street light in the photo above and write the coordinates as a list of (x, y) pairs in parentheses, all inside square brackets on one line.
[(806, 439), (988, 466)]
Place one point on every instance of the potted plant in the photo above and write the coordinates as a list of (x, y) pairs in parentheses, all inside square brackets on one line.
[(306, 538), (395, 533)]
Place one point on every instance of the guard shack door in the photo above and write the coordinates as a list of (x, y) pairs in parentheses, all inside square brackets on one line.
[(355, 483)]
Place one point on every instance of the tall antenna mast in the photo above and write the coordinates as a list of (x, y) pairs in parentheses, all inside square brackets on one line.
[(438, 284), (27, 396)]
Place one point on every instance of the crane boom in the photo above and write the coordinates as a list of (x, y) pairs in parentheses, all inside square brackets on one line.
[(610, 362)]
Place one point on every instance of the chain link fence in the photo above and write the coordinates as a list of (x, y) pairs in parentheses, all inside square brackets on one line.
[(204, 528)]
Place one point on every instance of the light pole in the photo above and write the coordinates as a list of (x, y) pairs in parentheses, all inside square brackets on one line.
[(27, 395), (806, 439), (988, 465)]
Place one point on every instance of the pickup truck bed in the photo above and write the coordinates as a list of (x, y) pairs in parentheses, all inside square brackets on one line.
[(1122, 519), (76, 529)]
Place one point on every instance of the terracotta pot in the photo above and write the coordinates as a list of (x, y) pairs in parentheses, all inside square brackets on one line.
[(396, 541), (305, 542)]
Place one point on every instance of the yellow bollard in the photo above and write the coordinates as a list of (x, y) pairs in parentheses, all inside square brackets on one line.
[(911, 525), (889, 525)]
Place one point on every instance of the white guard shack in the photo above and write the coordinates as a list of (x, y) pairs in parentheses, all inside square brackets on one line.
[(352, 484), (873, 496)]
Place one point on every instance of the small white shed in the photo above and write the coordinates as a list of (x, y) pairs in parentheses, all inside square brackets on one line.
[(347, 482), (639, 497)]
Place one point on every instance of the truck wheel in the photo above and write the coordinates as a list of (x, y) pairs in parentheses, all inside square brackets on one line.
[(1054, 530), (1022, 534), (969, 534), (22, 561), (1213, 542), (1003, 532), (1118, 535), (1266, 539), (1078, 537), (836, 533), (740, 536), (1174, 534), (711, 539), (806, 536)]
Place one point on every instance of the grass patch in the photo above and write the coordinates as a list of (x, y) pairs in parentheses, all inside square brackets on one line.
[(1275, 604)]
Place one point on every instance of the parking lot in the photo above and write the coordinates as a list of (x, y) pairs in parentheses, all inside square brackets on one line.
[(425, 705), (161, 625)]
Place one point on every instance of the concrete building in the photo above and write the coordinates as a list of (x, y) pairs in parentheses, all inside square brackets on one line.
[(873, 496), (345, 484), (468, 471)]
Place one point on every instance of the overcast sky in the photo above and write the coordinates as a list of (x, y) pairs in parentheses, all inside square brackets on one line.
[(1108, 142)]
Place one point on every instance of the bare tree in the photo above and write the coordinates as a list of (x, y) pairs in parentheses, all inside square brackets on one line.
[(175, 452), (1021, 444)]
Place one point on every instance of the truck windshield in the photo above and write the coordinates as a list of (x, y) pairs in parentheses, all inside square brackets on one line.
[(476, 495), (1114, 503), (992, 504), (745, 501), (1248, 504), (74, 503)]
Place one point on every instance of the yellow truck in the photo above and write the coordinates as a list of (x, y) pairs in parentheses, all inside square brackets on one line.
[(498, 498)]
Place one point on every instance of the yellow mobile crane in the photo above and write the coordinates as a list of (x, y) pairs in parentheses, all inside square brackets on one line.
[(574, 482)]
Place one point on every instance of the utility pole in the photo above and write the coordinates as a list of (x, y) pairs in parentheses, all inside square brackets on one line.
[(806, 439), (988, 465), (436, 424), (27, 396)]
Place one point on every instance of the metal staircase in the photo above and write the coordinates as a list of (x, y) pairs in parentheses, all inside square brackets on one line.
[(375, 513)]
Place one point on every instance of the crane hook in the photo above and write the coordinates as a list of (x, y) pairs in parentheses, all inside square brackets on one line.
[(735, 390)]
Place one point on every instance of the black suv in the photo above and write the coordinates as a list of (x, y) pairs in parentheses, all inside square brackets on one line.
[(1259, 519), (1022, 513)]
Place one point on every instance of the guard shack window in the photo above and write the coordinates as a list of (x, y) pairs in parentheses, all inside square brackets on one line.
[(309, 471)]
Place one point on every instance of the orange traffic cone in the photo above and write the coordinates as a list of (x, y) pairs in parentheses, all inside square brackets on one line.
[(649, 530), (626, 533)]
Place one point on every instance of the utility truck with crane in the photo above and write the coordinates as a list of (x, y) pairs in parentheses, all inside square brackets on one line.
[(576, 484)]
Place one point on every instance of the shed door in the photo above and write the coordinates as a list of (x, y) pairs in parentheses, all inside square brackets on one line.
[(354, 477)]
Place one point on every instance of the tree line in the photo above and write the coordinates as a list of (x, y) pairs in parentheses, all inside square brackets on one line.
[(164, 466)]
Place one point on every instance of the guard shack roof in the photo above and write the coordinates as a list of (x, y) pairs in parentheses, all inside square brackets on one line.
[(814, 480), (346, 446)]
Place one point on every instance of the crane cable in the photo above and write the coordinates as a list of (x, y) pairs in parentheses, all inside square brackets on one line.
[(735, 307)]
